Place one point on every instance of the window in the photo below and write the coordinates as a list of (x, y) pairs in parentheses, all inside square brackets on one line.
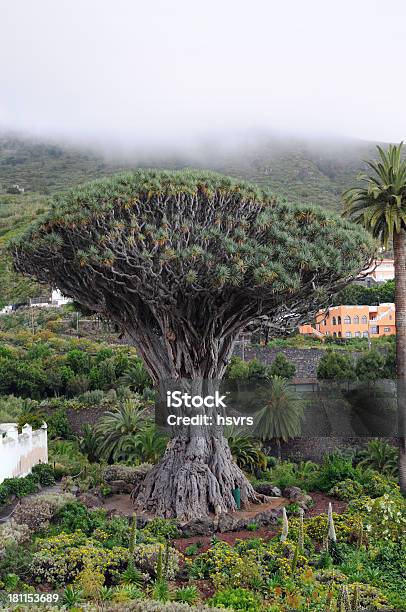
[(357, 334), (356, 320), (347, 320), (348, 334), (325, 321), (374, 329), (339, 320), (335, 334), (339, 334), (386, 329), (364, 320), (365, 334), (334, 321)]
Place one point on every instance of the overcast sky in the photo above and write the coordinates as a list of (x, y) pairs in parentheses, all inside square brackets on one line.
[(155, 72)]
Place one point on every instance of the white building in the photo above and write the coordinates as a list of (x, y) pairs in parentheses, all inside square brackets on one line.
[(7, 309), (56, 300), (381, 270), (20, 452)]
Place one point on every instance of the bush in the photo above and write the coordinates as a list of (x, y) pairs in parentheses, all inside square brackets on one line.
[(38, 511), (58, 425), (146, 558), (336, 366), (162, 529), (45, 474), (335, 468), (130, 475), (12, 533), (237, 599), (18, 487), (282, 367), (347, 490), (386, 519), (60, 559)]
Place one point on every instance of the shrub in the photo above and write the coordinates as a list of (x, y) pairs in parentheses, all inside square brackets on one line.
[(13, 533), (130, 475), (59, 559), (19, 487), (386, 519), (187, 594), (282, 367), (146, 557), (335, 468), (347, 527), (45, 474), (162, 529), (335, 365), (58, 425), (376, 485), (369, 597), (226, 566), (238, 599), (347, 489), (38, 511), (379, 455)]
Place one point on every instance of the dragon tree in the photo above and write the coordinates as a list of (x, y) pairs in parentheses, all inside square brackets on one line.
[(182, 262)]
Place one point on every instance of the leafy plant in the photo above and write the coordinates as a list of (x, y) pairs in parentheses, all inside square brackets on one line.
[(380, 456), (245, 451), (238, 599), (71, 597), (282, 367), (187, 594), (117, 429), (280, 418)]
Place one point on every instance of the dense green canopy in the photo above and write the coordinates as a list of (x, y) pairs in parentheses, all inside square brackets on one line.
[(151, 247)]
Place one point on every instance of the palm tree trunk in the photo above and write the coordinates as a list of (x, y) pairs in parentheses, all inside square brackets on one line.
[(399, 248)]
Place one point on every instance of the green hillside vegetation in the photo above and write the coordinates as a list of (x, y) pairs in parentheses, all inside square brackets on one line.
[(294, 170), (16, 212)]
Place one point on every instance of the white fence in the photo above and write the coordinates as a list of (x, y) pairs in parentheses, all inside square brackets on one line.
[(20, 452)]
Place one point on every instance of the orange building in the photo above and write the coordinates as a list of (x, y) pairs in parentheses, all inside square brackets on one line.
[(353, 322)]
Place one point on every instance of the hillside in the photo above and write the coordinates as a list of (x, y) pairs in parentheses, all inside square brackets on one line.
[(314, 172), (310, 171)]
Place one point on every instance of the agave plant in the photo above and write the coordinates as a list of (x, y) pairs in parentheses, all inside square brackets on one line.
[(380, 456), (118, 428)]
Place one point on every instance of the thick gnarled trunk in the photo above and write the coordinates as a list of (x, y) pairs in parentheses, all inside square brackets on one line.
[(197, 473), (195, 478), (399, 247)]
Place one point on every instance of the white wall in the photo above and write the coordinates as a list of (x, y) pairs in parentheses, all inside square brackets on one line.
[(20, 452)]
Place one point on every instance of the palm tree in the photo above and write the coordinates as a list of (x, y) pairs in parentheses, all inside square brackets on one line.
[(281, 416), (380, 206), (117, 429)]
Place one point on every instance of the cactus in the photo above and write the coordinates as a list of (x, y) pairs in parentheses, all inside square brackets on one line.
[(133, 535), (300, 539), (355, 599), (166, 563), (295, 558), (159, 566), (331, 533), (343, 600), (285, 525)]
